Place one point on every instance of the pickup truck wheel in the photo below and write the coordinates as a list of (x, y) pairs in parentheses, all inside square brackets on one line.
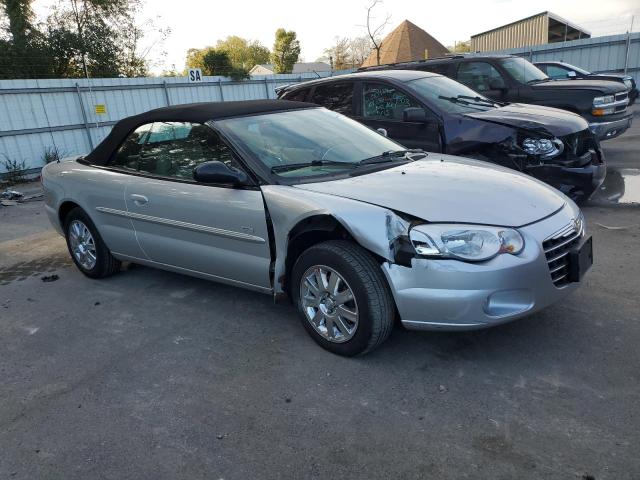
[(88, 251), (343, 297)]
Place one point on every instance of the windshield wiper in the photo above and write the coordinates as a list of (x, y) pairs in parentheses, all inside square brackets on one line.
[(391, 155), (536, 80), (469, 100), (313, 163)]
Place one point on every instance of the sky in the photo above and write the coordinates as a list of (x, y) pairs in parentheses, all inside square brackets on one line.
[(199, 23)]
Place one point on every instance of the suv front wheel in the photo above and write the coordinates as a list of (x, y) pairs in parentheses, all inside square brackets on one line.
[(343, 297)]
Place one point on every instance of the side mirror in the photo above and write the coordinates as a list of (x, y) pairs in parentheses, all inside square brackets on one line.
[(571, 74), (218, 172), (382, 131), (497, 84), (414, 114)]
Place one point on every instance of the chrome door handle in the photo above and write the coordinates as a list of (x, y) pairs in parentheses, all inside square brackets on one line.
[(139, 199)]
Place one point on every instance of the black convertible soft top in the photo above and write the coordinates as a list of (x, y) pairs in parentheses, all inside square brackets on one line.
[(190, 112)]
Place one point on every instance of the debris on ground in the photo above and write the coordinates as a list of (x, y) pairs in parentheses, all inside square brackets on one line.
[(50, 278), (442, 389), (11, 195), (8, 203)]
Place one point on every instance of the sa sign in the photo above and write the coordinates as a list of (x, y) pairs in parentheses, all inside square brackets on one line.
[(195, 75)]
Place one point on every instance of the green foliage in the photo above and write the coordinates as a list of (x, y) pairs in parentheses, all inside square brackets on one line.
[(95, 37), (51, 154), (286, 51), (14, 170), (241, 56)]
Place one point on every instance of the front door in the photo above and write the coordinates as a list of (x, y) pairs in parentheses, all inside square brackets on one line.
[(217, 230), (483, 78), (383, 106)]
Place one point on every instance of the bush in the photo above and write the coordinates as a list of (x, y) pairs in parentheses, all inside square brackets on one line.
[(15, 170)]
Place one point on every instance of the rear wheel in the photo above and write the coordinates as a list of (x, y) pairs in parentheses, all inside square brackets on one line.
[(88, 251), (343, 297)]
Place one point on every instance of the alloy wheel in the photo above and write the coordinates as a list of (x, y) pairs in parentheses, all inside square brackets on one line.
[(329, 303), (82, 245)]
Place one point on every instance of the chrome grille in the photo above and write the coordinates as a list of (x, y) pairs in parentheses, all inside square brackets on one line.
[(622, 96), (557, 248)]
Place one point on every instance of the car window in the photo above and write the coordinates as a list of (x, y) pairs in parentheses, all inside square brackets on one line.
[(522, 70), (385, 102), (335, 96), (478, 75), (555, 72), (297, 95), (171, 149), (441, 68)]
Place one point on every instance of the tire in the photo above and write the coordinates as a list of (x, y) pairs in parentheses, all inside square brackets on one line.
[(358, 273), (105, 264)]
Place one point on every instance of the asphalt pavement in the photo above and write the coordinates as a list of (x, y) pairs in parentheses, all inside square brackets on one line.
[(154, 375)]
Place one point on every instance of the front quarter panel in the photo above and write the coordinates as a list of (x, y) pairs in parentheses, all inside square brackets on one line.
[(371, 226)]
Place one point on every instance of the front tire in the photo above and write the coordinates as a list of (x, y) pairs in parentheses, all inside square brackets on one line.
[(343, 297), (86, 247)]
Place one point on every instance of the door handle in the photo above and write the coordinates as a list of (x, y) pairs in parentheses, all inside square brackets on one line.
[(138, 199)]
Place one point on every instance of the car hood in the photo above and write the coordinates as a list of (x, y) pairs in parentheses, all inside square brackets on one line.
[(603, 86), (444, 188), (533, 117)]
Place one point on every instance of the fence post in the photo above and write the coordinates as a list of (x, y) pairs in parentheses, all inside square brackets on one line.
[(166, 93), (84, 116), (221, 91), (266, 87)]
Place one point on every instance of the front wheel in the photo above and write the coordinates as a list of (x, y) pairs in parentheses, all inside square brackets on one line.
[(343, 297)]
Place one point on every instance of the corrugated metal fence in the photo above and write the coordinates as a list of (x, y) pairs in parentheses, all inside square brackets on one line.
[(600, 54), (74, 115)]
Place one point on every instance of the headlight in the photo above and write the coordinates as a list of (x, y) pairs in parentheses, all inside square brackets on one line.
[(627, 83), (599, 101), (545, 147), (465, 242)]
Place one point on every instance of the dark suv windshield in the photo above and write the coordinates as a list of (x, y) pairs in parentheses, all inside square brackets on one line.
[(449, 95), (522, 70)]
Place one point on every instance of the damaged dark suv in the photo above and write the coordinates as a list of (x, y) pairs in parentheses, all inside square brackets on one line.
[(437, 114)]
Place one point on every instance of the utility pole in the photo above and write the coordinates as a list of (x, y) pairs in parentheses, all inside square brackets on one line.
[(626, 56)]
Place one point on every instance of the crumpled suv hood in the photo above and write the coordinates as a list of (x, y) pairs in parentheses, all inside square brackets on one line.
[(533, 117), (445, 188)]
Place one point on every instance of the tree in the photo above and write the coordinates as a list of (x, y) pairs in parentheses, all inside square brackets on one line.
[(286, 51), (243, 54), (374, 33), (339, 55), (360, 49), (460, 47), (20, 16), (79, 38)]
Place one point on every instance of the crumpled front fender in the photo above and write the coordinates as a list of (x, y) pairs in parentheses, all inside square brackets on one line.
[(374, 228)]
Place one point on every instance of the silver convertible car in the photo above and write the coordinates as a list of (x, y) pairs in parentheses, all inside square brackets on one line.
[(291, 199)]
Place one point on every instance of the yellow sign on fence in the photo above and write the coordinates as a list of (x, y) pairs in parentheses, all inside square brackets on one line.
[(101, 108)]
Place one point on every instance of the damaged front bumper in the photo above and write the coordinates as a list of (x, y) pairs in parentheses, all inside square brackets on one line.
[(455, 295), (578, 180)]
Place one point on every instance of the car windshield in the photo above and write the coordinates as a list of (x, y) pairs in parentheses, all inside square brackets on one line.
[(449, 95), (308, 142), (576, 69), (522, 70)]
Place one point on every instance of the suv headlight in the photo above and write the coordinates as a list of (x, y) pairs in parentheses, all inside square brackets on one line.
[(599, 101), (628, 83), (471, 243), (545, 147)]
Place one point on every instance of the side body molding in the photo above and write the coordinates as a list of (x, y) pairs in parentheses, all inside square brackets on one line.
[(370, 225)]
